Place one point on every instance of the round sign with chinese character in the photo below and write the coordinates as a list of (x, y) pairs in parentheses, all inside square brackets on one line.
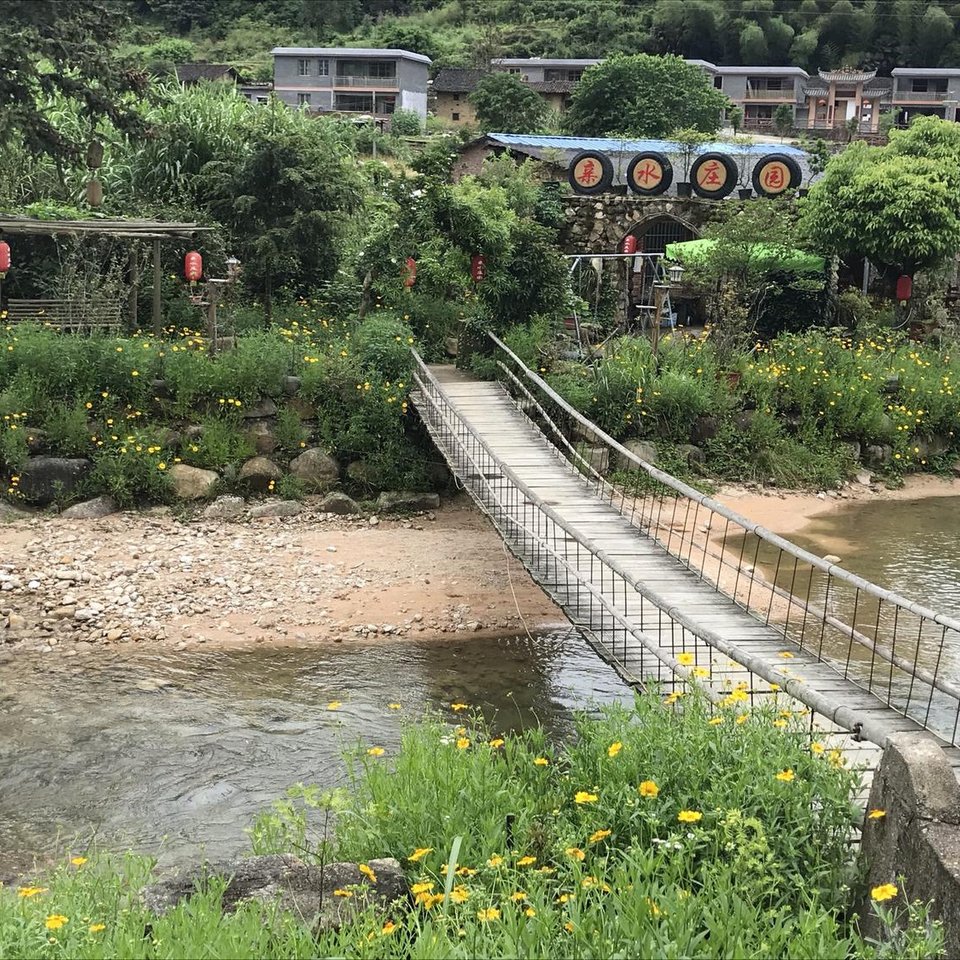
[(649, 174), (590, 172), (776, 173), (713, 175)]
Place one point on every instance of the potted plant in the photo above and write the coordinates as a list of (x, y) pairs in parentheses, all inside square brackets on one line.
[(688, 143)]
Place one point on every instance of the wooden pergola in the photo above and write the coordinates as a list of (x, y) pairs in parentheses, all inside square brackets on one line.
[(137, 231)]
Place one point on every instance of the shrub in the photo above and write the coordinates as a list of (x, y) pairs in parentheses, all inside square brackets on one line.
[(384, 344), (222, 442), (132, 470)]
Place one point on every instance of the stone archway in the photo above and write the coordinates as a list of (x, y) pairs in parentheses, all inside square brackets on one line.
[(655, 233)]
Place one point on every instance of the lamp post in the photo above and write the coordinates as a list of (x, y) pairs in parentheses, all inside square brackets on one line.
[(660, 293), (216, 289)]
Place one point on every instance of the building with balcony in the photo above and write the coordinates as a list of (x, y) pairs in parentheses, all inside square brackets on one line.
[(919, 91), (554, 79), (351, 79), (851, 100)]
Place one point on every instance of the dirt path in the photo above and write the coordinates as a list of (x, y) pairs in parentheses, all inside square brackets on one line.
[(67, 585)]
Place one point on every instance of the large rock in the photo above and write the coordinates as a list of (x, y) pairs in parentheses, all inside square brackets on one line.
[(305, 890), (339, 503), (261, 437), (316, 469), (91, 509), (705, 427), (258, 411), (692, 454), (45, 479), (877, 455), (276, 508), (192, 483), (225, 508), (643, 449), (257, 473), (405, 501), (9, 512)]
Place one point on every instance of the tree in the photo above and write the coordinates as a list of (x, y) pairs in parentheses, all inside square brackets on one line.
[(284, 198), (783, 120), (897, 205), (51, 51), (406, 123), (644, 96), (735, 119), (504, 103)]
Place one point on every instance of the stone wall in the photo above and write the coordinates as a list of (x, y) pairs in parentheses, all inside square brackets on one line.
[(598, 224), (918, 837)]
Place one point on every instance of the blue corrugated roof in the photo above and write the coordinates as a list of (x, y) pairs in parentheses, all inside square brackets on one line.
[(617, 145)]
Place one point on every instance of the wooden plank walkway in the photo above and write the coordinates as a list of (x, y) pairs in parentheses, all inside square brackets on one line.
[(514, 441)]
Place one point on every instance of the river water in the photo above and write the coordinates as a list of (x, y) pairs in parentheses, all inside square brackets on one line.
[(166, 752)]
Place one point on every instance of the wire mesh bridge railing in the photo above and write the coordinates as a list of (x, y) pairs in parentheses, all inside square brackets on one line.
[(900, 652)]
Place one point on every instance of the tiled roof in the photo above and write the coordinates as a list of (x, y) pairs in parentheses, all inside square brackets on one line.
[(348, 52), (457, 80), (195, 72), (848, 76)]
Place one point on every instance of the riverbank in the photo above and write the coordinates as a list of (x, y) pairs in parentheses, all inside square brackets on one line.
[(153, 578), (790, 512)]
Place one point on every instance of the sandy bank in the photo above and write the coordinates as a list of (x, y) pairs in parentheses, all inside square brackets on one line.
[(135, 578)]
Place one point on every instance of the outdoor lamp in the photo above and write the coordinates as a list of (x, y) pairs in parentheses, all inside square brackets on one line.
[(233, 268), (675, 272)]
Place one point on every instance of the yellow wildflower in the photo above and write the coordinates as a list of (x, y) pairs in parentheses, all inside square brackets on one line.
[(582, 796), (648, 789), (388, 928), (886, 891), (97, 927), (496, 743), (463, 743), (526, 861), (876, 814), (340, 892), (614, 749), (518, 896), (599, 835), (495, 860), (376, 752), (55, 921), (367, 872), (686, 659), (30, 891), (529, 912), (689, 816), (424, 887), (575, 852), (457, 707), (460, 894), (540, 762), (489, 913), (785, 775), (419, 854)]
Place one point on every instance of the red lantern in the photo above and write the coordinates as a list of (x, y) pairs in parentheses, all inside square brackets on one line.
[(409, 272), (904, 288), (629, 244), (478, 267), (4, 257), (193, 266)]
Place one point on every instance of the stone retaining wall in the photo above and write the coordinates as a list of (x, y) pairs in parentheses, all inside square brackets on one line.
[(918, 837)]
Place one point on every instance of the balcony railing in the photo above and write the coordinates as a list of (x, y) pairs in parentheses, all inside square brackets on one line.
[(378, 83), (921, 96), (762, 93)]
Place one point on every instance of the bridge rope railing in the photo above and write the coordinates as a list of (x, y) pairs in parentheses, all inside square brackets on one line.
[(601, 596), (896, 649)]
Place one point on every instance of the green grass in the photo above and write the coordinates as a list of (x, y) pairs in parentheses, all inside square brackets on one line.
[(526, 848)]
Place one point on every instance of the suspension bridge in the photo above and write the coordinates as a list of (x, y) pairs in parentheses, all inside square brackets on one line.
[(674, 588)]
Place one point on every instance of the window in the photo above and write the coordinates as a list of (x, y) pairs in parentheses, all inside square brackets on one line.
[(575, 75), (718, 82), (455, 116), (323, 68), (303, 99), (456, 98), (773, 83), (513, 70), (263, 99), (355, 102), (375, 69), (303, 68)]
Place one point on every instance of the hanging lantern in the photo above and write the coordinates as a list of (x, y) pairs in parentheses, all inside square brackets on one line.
[(629, 244), (193, 266), (4, 257), (409, 272), (478, 267), (904, 288)]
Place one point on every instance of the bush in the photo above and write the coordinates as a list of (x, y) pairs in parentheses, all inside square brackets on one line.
[(406, 123), (222, 443)]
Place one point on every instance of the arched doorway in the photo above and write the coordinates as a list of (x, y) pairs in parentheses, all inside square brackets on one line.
[(654, 235)]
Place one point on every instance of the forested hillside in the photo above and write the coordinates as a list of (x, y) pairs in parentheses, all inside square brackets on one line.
[(807, 33)]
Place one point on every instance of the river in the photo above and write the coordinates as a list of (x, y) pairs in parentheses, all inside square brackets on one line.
[(169, 752)]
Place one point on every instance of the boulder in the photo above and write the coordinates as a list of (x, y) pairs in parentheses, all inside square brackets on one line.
[(45, 479), (643, 449), (338, 503), (257, 473), (405, 501), (225, 508), (935, 446), (705, 427), (91, 509), (877, 455), (276, 508), (692, 454), (261, 437), (192, 483), (259, 411), (306, 890), (9, 512), (316, 469)]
